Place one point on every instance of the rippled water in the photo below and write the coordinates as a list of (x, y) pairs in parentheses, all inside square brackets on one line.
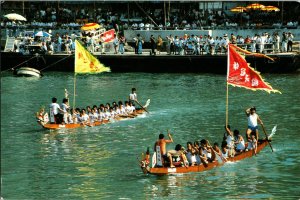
[(101, 162)]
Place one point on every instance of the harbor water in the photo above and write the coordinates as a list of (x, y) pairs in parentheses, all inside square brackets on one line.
[(102, 162)]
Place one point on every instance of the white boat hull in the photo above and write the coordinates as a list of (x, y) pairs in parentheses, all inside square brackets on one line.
[(27, 71)]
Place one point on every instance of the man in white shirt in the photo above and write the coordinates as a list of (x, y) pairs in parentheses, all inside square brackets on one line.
[(55, 116), (133, 96)]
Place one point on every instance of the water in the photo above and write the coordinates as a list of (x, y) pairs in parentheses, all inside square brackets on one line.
[(101, 162)]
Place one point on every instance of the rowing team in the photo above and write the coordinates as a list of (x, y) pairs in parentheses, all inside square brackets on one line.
[(65, 115), (199, 152)]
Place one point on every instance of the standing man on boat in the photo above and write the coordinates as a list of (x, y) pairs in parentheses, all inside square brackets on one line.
[(160, 146), (253, 118), (133, 96), (55, 116)]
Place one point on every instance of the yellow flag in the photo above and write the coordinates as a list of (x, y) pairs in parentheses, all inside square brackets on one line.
[(85, 62)]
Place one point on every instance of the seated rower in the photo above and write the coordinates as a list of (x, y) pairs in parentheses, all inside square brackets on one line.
[(178, 152), (83, 118), (107, 114), (42, 117), (93, 116), (72, 118), (217, 149), (88, 110), (205, 152), (252, 144), (101, 115), (107, 106), (192, 154), (122, 112), (239, 141), (95, 109), (129, 109), (224, 151), (230, 141)]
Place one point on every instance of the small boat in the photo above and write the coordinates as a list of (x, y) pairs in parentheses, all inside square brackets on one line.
[(28, 72)]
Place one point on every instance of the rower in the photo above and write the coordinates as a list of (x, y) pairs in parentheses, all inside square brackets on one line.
[(230, 141), (178, 153), (239, 141), (192, 154)]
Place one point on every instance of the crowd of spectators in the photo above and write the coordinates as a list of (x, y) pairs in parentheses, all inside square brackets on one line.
[(146, 16), (173, 45)]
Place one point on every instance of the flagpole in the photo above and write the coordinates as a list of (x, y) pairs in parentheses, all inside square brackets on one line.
[(74, 91), (227, 93), (75, 62)]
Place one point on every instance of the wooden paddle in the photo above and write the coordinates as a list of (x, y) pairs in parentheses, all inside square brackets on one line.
[(141, 106), (267, 137)]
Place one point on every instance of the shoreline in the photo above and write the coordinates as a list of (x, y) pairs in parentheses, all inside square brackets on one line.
[(130, 62)]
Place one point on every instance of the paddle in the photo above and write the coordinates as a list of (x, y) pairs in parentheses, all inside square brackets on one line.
[(141, 106), (267, 138)]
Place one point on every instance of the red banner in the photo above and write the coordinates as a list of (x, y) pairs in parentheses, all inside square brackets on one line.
[(108, 36), (242, 75)]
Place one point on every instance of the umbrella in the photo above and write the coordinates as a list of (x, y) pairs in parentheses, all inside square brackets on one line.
[(42, 34), (255, 6), (270, 8), (238, 9), (15, 16), (90, 26)]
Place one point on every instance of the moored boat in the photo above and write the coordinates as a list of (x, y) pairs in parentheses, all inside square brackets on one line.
[(202, 167), (28, 72)]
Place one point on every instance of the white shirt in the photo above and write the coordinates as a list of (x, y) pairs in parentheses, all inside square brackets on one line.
[(64, 107), (55, 108), (133, 96), (252, 120)]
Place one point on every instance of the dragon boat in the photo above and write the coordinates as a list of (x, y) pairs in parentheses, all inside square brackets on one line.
[(180, 169)]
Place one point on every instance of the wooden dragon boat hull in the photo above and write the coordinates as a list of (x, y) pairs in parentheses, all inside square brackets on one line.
[(199, 168), (70, 126)]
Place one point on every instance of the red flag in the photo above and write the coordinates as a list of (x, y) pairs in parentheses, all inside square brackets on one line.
[(108, 36), (240, 74)]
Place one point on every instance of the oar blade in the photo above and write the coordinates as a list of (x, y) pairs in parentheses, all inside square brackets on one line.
[(273, 132)]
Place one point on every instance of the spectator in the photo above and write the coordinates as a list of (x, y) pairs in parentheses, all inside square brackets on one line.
[(153, 45), (290, 39)]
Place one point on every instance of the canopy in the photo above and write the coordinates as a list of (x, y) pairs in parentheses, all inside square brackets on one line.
[(255, 6), (15, 16), (42, 34), (270, 8), (90, 26), (238, 9)]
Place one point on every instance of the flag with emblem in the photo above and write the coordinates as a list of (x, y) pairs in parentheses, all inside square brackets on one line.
[(240, 74), (85, 62)]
